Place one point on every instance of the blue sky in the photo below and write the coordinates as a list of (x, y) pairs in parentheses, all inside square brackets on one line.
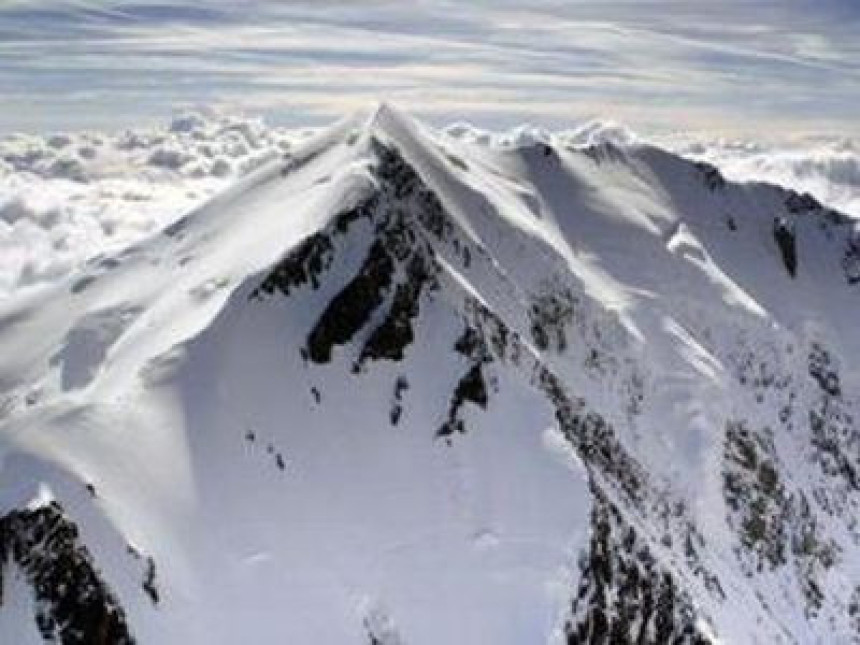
[(735, 67)]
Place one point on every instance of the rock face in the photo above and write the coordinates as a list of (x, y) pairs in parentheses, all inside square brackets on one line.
[(784, 236), (623, 595), (394, 388), (399, 266), (73, 604)]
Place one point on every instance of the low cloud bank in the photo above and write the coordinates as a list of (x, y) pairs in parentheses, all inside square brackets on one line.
[(65, 198)]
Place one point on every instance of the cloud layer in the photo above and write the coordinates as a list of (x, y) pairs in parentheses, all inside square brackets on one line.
[(66, 198), (829, 170), (733, 66)]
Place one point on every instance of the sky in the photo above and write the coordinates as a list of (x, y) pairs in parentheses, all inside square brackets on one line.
[(733, 67)]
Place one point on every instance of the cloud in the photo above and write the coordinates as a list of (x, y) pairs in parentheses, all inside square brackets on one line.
[(829, 170), (66, 198), (657, 64)]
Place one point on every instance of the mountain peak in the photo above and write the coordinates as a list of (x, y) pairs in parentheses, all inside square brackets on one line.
[(392, 386), (384, 114)]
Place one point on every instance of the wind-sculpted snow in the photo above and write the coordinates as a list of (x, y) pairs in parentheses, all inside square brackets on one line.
[(400, 386)]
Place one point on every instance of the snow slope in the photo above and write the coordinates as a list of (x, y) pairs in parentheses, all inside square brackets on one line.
[(401, 387)]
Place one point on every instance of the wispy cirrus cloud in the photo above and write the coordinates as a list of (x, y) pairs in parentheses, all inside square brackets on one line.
[(734, 66)]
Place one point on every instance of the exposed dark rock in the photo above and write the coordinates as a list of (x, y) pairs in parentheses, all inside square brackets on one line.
[(82, 284), (292, 163), (757, 373), (74, 606), (305, 263), (854, 610), (177, 227), (603, 151), (470, 344), (400, 386), (149, 585), (777, 526), (550, 314), (851, 260), (836, 441), (394, 334), (783, 233), (405, 215), (496, 339), (402, 210), (395, 413), (593, 438), (488, 338), (624, 596), (595, 442), (711, 176), (798, 203), (470, 388), (822, 370), (398, 176), (301, 266), (350, 309), (754, 494), (457, 161)]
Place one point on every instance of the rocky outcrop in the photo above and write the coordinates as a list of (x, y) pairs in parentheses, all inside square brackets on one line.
[(624, 595), (783, 234), (74, 605)]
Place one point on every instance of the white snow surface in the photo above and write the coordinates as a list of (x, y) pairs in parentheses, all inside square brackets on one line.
[(148, 371)]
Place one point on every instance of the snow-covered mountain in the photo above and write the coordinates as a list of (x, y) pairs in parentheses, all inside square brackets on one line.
[(397, 387)]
